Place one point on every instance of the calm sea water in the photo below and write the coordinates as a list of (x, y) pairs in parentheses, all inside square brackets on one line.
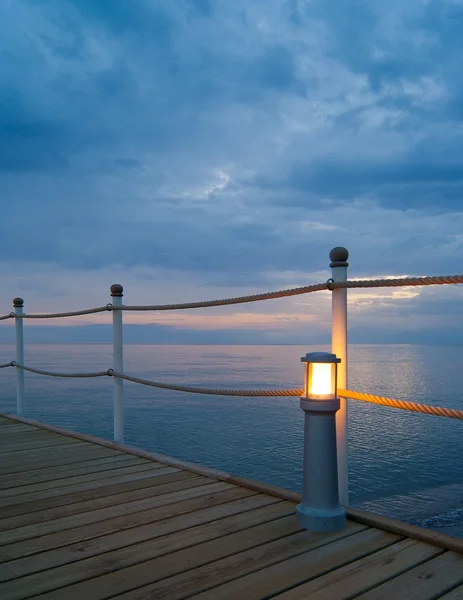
[(405, 465)]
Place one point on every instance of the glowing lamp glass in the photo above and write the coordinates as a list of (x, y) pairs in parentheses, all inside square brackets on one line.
[(320, 381)]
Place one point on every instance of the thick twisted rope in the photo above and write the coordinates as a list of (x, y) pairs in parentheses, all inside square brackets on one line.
[(223, 302), (201, 390), (397, 282), (329, 285), (403, 404), (55, 374), (74, 313)]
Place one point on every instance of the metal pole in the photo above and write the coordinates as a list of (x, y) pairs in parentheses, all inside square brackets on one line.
[(18, 304), (118, 363), (320, 509), (339, 266)]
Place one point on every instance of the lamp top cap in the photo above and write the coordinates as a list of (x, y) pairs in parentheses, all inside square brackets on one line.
[(116, 289), (339, 256), (320, 357)]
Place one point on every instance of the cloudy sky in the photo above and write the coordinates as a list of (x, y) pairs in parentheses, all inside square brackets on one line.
[(194, 149)]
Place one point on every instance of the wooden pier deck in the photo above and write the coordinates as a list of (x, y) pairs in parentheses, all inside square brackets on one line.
[(86, 519)]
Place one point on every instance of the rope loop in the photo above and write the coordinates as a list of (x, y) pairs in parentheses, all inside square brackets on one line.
[(329, 284)]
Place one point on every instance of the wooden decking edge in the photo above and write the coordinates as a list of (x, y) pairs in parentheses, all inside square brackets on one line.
[(371, 519)]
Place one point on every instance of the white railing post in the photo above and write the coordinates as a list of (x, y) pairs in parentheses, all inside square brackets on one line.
[(18, 304), (118, 363), (339, 266)]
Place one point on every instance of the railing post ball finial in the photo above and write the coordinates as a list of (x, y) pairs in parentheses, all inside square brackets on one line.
[(116, 290), (18, 302), (339, 256)]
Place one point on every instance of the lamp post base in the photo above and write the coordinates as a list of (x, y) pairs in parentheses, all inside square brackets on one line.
[(326, 519)]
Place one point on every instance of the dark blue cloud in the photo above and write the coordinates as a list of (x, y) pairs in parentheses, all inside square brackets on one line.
[(391, 42), (218, 137), (138, 17), (435, 185), (30, 141), (276, 70)]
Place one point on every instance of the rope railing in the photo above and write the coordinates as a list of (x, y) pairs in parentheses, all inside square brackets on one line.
[(329, 285), (403, 404), (74, 313), (226, 301), (55, 374), (201, 390), (371, 398), (397, 282)]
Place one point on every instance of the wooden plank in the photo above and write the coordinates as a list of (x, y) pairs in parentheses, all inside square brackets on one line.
[(126, 486), (99, 465), (11, 434), (28, 434), (11, 440), (363, 574), (56, 512), (425, 582), (286, 559), (455, 594), (406, 530), (16, 426), (62, 457), (53, 579), (144, 506), (24, 490), (93, 489), (13, 437), (59, 475), (148, 549), (131, 529), (11, 449), (17, 455), (167, 460), (87, 574)]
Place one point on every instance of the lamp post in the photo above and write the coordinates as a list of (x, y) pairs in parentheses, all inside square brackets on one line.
[(320, 509)]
